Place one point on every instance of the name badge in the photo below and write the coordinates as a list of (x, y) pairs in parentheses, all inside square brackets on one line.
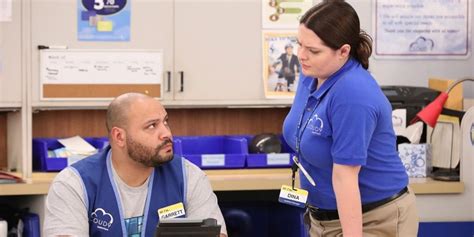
[(295, 197), (172, 211)]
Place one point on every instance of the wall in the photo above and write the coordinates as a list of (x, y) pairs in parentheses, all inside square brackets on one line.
[(412, 72)]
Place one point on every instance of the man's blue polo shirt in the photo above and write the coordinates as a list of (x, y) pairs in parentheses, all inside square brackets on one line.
[(347, 121)]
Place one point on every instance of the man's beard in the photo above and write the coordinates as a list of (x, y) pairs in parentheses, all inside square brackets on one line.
[(149, 157)]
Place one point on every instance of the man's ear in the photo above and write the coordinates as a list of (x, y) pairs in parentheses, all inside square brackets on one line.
[(118, 136), (345, 51)]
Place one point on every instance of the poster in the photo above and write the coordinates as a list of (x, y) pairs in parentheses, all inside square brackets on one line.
[(422, 28), (283, 14), (280, 64), (103, 20)]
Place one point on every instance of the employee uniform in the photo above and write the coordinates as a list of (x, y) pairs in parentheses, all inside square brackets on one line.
[(347, 121), (90, 199)]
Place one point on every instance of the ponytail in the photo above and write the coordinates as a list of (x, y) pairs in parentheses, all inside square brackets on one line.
[(364, 49)]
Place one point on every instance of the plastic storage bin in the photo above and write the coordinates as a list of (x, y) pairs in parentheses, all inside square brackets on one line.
[(41, 162), (210, 152), (283, 159), (31, 225), (252, 219)]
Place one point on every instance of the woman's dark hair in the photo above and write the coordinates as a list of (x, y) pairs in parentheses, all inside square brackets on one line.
[(336, 23)]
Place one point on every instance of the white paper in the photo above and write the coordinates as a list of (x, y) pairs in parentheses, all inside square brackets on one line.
[(278, 159), (5, 10), (413, 132), (100, 66), (213, 160), (399, 121), (77, 145)]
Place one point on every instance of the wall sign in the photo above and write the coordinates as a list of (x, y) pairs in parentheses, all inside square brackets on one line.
[(421, 28), (103, 20)]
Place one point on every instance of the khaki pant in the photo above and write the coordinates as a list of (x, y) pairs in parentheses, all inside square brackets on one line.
[(398, 218)]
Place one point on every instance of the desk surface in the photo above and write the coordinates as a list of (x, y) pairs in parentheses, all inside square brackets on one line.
[(235, 180)]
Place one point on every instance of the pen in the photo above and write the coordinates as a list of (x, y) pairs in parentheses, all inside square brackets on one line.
[(305, 173), (52, 47)]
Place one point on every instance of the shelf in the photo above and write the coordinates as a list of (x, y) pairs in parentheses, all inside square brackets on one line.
[(102, 104), (13, 106), (238, 180), (430, 186)]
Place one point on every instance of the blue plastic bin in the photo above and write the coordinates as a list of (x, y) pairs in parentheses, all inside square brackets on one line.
[(256, 219), (31, 225), (283, 159), (41, 162), (211, 152)]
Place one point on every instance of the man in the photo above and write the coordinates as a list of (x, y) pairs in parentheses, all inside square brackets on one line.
[(290, 65), (127, 188)]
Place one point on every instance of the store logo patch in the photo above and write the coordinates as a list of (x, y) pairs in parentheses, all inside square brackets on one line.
[(102, 219)]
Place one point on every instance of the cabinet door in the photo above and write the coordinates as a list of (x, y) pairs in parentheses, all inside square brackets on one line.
[(10, 58), (218, 50), (54, 22)]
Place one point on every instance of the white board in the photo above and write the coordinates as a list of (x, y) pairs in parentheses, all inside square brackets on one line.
[(100, 66)]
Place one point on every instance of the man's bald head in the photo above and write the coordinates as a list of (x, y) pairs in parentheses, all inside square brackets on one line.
[(119, 109)]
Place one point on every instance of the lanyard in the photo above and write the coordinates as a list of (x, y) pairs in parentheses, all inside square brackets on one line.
[(299, 134)]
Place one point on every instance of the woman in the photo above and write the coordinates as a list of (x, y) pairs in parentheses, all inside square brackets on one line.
[(340, 125)]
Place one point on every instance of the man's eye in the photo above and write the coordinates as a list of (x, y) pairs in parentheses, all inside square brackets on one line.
[(151, 126)]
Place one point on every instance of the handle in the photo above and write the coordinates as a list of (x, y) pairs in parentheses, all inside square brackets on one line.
[(168, 88), (181, 89)]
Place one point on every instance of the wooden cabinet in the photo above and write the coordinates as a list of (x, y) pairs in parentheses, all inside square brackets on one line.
[(211, 49), (11, 59), (151, 28), (12, 84), (218, 50)]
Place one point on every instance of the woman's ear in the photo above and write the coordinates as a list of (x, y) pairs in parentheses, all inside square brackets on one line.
[(345, 51)]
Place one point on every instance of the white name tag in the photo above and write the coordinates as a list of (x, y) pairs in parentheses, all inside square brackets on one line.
[(172, 211), (278, 159), (295, 197), (213, 160)]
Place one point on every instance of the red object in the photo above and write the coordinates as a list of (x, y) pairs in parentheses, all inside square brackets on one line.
[(431, 112)]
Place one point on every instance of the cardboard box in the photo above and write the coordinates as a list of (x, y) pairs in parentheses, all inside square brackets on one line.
[(455, 99)]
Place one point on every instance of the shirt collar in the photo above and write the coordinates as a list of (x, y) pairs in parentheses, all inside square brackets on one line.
[(311, 83)]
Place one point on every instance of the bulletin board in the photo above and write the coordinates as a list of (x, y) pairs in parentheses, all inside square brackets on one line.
[(77, 74)]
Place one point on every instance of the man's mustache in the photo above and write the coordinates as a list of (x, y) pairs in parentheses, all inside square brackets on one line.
[(164, 143)]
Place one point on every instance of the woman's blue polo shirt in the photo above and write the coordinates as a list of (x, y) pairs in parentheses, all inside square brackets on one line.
[(347, 121)]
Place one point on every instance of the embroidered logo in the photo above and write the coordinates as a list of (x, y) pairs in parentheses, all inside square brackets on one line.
[(316, 124), (102, 219)]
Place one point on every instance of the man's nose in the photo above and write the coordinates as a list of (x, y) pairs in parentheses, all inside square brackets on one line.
[(165, 132)]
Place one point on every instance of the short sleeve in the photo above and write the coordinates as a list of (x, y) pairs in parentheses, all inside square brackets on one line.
[(201, 200), (353, 125)]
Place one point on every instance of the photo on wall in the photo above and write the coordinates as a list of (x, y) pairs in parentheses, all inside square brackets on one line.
[(280, 64)]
